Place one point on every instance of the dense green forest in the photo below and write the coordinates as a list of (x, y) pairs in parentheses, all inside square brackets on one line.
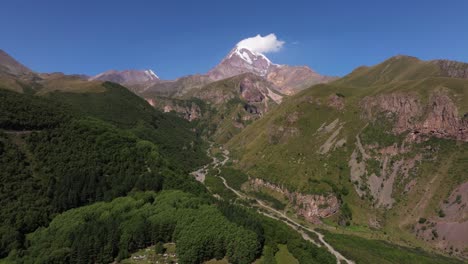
[(27, 112), (54, 158), (125, 110), (104, 231)]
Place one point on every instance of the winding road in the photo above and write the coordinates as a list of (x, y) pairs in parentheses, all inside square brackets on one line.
[(271, 212)]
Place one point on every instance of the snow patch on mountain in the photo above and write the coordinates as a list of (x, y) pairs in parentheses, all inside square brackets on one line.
[(249, 55), (152, 75)]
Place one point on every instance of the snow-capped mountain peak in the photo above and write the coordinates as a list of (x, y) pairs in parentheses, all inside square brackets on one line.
[(240, 60), (248, 55)]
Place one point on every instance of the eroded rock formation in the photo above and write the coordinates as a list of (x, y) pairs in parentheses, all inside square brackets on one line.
[(310, 206), (438, 117)]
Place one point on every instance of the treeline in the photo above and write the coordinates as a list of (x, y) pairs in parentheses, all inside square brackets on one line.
[(102, 232)]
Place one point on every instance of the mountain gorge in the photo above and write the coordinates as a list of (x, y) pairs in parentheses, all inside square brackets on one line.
[(96, 169), (221, 101)]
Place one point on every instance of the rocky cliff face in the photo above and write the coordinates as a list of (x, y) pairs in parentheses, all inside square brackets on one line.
[(453, 69), (438, 117), (257, 93), (310, 206), (188, 110)]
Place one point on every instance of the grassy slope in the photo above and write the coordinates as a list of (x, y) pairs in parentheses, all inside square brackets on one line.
[(294, 161), (365, 251), (283, 256)]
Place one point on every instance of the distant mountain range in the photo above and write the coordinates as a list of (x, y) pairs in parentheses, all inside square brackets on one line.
[(283, 78), (130, 78)]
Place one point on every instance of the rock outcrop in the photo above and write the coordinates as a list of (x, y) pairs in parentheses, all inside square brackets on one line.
[(376, 171), (449, 232), (310, 206), (439, 117), (189, 111), (336, 101), (453, 69)]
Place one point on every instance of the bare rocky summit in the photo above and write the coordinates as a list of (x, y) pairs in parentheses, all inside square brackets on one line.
[(286, 79), (10, 66), (137, 80)]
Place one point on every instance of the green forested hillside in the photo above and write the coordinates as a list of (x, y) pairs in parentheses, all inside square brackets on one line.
[(100, 232), (202, 231), (54, 158), (77, 158), (124, 109)]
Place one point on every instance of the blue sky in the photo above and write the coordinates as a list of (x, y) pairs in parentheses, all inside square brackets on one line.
[(176, 38)]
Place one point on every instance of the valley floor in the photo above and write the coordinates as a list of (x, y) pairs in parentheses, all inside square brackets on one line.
[(341, 244), (271, 212)]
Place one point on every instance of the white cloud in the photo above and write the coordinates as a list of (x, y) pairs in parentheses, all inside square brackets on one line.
[(266, 44)]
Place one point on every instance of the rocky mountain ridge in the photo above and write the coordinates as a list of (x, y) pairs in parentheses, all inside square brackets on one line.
[(134, 79), (283, 78), (8, 65)]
